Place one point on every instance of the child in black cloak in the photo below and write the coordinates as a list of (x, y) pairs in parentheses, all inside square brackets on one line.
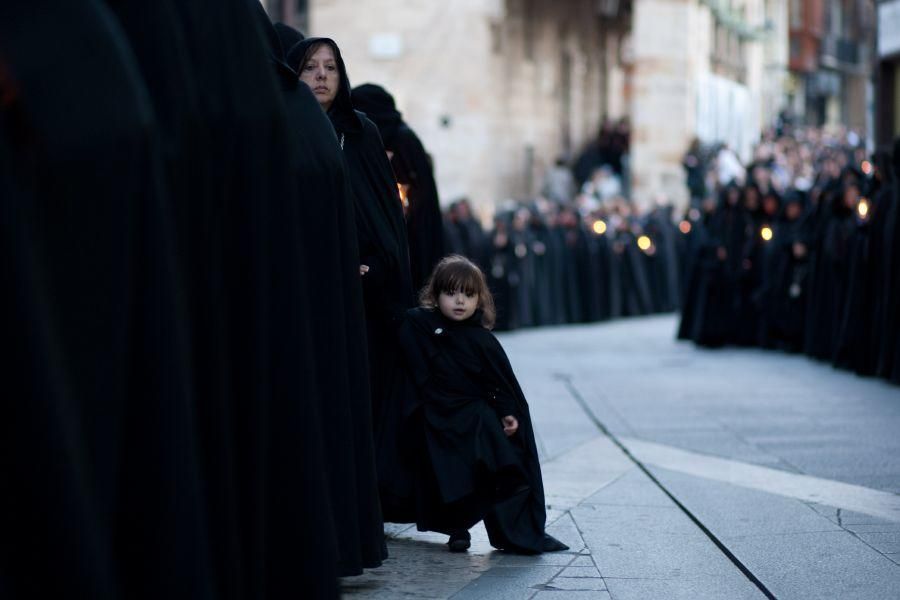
[(476, 457)]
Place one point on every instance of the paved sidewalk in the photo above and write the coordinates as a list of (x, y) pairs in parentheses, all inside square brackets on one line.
[(723, 433)]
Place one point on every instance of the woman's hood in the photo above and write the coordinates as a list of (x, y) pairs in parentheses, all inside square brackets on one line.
[(288, 36), (379, 106), (286, 77)]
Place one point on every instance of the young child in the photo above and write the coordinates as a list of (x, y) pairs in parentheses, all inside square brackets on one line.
[(475, 456)]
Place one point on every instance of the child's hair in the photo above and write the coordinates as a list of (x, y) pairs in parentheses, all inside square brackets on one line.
[(454, 273)]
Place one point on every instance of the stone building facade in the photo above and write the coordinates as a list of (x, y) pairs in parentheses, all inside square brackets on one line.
[(831, 61), (887, 74), (708, 69)]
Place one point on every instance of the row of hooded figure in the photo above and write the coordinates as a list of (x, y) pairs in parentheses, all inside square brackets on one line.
[(193, 254), (554, 263), (812, 270)]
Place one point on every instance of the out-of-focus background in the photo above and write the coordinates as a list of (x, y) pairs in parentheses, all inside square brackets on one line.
[(498, 90)]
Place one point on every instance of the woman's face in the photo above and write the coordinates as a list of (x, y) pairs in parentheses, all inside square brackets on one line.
[(321, 74), (458, 306)]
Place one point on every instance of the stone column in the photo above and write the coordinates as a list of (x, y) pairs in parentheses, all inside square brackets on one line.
[(663, 99)]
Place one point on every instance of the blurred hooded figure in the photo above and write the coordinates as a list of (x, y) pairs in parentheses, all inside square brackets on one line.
[(288, 36), (163, 346), (100, 493), (334, 293), (785, 274), (889, 353), (831, 270), (720, 261), (413, 168)]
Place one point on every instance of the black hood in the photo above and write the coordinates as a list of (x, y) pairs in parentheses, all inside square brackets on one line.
[(286, 77), (288, 35), (794, 197), (379, 106), (341, 113)]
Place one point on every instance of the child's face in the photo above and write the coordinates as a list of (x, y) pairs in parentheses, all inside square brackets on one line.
[(458, 305)]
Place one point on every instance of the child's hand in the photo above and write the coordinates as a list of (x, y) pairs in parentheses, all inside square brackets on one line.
[(510, 425)]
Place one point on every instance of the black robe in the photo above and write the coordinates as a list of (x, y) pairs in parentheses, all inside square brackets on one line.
[(785, 286), (100, 492), (413, 168), (692, 251), (334, 293), (387, 286), (468, 469), (716, 297), (831, 271), (248, 290), (889, 338)]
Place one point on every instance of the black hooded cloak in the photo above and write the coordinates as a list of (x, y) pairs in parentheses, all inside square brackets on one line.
[(245, 282), (785, 275), (413, 168), (720, 264), (329, 240), (387, 287), (468, 469), (100, 495)]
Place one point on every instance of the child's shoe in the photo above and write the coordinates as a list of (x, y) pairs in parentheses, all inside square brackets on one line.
[(459, 541)]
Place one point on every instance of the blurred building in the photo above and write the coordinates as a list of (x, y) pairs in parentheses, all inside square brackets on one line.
[(496, 89), (887, 73), (831, 61), (711, 69)]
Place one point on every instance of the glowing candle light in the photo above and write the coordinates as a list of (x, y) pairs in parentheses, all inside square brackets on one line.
[(766, 233), (599, 227), (866, 167), (685, 227), (644, 243), (402, 187), (862, 208)]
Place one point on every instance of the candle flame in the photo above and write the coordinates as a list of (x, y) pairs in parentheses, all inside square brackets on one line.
[(685, 227), (599, 227), (863, 208), (766, 233), (644, 243), (866, 167), (403, 188)]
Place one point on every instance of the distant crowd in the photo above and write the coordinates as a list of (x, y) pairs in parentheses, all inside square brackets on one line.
[(796, 250), (799, 250), (579, 252)]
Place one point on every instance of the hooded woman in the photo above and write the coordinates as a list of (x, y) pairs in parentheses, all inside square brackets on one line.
[(334, 295), (382, 248)]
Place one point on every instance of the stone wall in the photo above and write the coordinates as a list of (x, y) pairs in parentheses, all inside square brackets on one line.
[(678, 95)]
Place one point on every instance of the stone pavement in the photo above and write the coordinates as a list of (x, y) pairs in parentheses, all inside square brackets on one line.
[(753, 465)]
